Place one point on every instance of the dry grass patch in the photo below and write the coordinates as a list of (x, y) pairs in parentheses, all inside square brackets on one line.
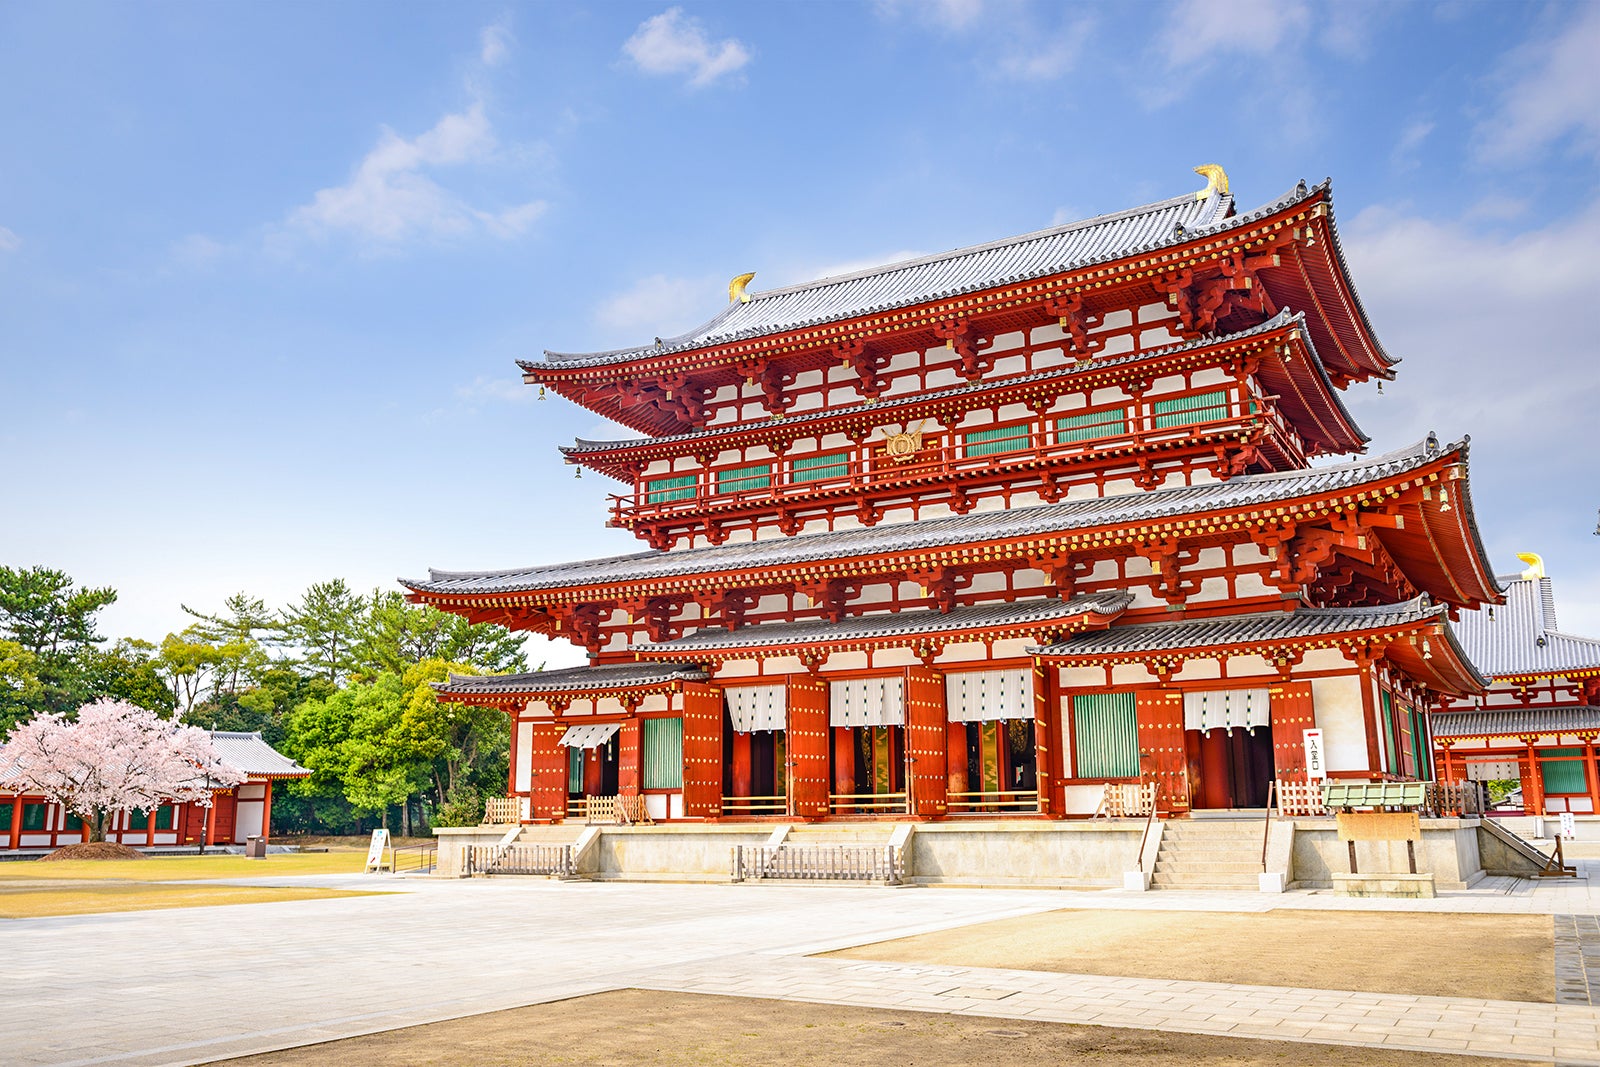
[(44, 899), (1494, 957), (638, 1027)]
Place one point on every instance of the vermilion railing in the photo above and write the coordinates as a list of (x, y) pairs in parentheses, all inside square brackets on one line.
[(949, 461)]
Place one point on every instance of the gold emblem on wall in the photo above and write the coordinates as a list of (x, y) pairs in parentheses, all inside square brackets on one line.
[(903, 447)]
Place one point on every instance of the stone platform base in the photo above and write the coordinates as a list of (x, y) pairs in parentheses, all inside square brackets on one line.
[(1417, 886)]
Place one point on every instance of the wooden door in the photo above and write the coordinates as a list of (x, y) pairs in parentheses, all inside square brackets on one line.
[(1162, 753), (1291, 716), (630, 764), (702, 750), (926, 741), (808, 746), (547, 768)]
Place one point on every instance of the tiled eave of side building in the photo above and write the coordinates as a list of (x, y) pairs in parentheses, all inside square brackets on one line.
[(1281, 348), (924, 630), (1452, 726), (1436, 542), (1006, 284), (1520, 641), (614, 680), (1415, 635)]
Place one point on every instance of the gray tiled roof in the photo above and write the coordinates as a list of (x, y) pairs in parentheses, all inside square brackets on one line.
[(611, 676), (965, 270), (881, 408), (248, 754), (1265, 628), (1245, 492), (897, 624), (1511, 721), (1522, 638)]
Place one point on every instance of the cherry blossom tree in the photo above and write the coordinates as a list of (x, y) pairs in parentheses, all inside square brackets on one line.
[(116, 756)]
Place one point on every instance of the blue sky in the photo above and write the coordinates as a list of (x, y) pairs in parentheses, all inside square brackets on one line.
[(265, 269)]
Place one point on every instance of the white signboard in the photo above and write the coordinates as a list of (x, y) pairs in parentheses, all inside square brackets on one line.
[(1316, 765), (1569, 826), (375, 851)]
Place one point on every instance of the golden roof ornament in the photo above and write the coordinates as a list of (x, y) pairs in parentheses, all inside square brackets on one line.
[(1216, 180), (736, 288), (1535, 564)]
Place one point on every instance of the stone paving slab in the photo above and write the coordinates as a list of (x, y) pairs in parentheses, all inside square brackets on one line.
[(293, 973)]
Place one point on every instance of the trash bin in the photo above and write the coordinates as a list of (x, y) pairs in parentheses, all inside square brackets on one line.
[(255, 848)]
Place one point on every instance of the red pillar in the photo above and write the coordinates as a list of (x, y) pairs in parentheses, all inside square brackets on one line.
[(266, 814), (211, 819), (1589, 778), (16, 821), (844, 760), (741, 765), (955, 754)]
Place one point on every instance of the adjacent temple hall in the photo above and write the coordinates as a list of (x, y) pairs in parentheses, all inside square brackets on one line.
[(987, 531)]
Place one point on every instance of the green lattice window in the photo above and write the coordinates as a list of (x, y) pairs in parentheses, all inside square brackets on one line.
[(743, 479), (663, 753), (575, 770), (1105, 735), (677, 487), (1391, 750), (138, 819), (994, 440), (1090, 425), (164, 817), (820, 468), (33, 816), (74, 823), (1187, 410), (1562, 770)]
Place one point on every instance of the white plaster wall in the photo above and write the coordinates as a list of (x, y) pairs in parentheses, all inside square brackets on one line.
[(1251, 585), (1119, 345), (966, 652), (1336, 703), (1109, 395), (1249, 667), (1156, 312), (738, 668), (846, 661), (1211, 376), (1324, 659), (894, 657), (1199, 669), (1083, 799), (1131, 674), (1014, 648)]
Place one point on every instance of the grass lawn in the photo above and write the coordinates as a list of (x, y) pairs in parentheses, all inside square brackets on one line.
[(31, 890)]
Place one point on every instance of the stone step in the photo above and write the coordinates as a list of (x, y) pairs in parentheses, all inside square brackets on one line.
[(1249, 885), (1211, 853), (1187, 867)]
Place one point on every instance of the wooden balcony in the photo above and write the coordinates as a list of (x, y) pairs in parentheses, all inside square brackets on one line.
[(1056, 451)]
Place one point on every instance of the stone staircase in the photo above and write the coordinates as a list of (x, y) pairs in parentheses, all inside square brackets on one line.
[(1209, 854)]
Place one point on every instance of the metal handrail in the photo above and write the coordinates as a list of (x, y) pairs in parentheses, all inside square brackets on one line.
[(1149, 821), (1266, 823), (427, 857)]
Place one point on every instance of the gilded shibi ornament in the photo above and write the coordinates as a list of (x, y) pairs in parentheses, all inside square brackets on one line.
[(903, 447), (1216, 180), (736, 288)]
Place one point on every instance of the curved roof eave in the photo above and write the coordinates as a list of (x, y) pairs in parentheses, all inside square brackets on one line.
[(1220, 219)]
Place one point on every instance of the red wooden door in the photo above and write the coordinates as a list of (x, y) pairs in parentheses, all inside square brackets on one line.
[(926, 741), (629, 765), (702, 751), (1162, 756), (547, 770), (808, 746), (1291, 717), (1046, 727)]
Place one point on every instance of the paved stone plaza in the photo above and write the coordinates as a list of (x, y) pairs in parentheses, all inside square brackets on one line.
[(127, 988)]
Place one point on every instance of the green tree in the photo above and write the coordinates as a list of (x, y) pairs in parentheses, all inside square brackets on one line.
[(21, 689), (239, 633), (53, 619), (324, 628), (130, 670), (397, 636)]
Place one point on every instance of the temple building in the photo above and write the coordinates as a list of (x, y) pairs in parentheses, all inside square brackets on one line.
[(31, 825), (1540, 717), (986, 532)]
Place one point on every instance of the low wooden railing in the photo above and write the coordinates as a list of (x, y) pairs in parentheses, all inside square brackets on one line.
[(867, 803), (818, 863), (1453, 799), (502, 811), (1014, 802), (1299, 799), (521, 859), (620, 810), (1127, 800), (755, 805)]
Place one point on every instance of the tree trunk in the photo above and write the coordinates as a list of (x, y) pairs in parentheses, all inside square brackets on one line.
[(97, 825), (405, 817)]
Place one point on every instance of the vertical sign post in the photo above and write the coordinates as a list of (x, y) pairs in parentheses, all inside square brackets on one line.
[(1316, 765)]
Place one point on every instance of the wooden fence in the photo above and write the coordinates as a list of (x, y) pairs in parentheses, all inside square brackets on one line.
[(521, 859), (818, 863)]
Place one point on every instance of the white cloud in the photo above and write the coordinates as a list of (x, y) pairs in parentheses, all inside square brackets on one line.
[(1553, 90), (672, 43), (951, 16), (1404, 155), (1492, 346), (1048, 58), (392, 196), (9, 241), (659, 306), (494, 44), (1202, 31), (197, 250)]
